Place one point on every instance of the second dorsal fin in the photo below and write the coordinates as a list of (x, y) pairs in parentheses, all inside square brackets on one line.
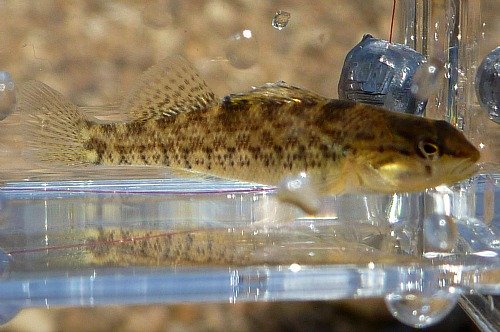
[(168, 88), (279, 92)]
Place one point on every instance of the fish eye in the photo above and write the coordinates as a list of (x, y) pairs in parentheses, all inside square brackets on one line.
[(428, 149)]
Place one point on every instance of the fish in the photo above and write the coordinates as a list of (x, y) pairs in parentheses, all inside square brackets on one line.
[(260, 136)]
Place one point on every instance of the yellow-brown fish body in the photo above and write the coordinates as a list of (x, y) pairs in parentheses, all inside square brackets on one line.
[(260, 136), (244, 137)]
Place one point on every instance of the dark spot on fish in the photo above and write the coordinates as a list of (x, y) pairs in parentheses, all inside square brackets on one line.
[(301, 151), (326, 152), (341, 103), (232, 103), (428, 170), (334, 105), (266, 137), (348, 149), (166, 160), (144, 158), (364, 136), (124, 160), (278, 149), (397, 149), (334, 133), (309, 102), (403, 151), (97, 145), (270, 109), (109, 129), (108, 156), (134, 129)]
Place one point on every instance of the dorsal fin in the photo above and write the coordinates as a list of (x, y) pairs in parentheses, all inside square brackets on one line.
[(278, 92), (168, 88)]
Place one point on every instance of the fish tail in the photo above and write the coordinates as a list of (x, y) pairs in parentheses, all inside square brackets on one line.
[(54, 127)]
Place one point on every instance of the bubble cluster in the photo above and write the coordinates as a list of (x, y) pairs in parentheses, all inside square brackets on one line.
[(242, 49), (7, 95), (488, 84), (281, 19)]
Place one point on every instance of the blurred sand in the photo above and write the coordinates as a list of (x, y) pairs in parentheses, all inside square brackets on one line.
[(92, 51), (354, 315)]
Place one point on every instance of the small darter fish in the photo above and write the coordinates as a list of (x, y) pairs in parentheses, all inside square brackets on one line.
[(272, 131)]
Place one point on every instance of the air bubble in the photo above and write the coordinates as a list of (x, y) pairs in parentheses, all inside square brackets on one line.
[(488, 84), (7, 95), (428, 78), (417, 310), (242, 49), (440, 233), (281, 19)]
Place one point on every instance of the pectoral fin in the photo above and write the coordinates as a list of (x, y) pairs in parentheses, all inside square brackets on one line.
[(297, 190)]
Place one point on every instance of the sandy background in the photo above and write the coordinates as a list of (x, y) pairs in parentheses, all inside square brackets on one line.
[(92, 51)]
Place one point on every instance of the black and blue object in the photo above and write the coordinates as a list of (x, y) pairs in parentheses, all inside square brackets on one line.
[(381, 73)]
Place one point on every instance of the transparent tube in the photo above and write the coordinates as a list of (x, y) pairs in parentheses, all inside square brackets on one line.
[(448, 31)]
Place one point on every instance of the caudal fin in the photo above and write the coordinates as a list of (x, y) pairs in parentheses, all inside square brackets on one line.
[(54, 127)]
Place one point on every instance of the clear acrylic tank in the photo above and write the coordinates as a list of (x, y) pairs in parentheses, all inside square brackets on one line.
[(75, 236)]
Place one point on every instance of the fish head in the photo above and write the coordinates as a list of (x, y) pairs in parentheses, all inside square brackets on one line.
[(418, 153)]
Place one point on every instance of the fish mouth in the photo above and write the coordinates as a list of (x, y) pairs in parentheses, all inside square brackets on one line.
[(460, 171), (463, 169)]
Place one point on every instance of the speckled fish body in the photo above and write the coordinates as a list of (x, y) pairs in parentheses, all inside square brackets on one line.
[(260, 136)]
